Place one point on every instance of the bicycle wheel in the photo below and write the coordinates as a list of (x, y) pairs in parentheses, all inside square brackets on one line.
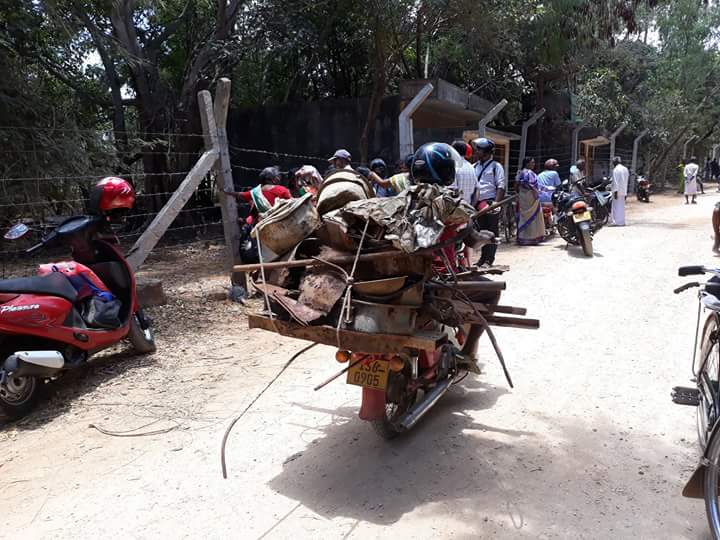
[(707, 376), (711, 485), (509, 224)]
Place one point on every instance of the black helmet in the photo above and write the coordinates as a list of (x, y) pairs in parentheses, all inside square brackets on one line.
[(484, 144), (409, 161), (377, 163), (435, 163)]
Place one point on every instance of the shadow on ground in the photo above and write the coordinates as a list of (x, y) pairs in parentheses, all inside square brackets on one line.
[(57, 396), (451, 463)]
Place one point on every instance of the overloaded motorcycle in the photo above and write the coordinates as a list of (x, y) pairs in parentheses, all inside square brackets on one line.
[(573, 217), (703, 394), (643, 189), (55, 321)]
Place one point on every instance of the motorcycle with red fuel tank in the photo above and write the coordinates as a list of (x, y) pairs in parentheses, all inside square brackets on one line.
[(49, 325)]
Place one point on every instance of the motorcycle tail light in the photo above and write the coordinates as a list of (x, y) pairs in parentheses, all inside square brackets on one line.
[(579, 205), (397, 364), (7, 297), (342, 356)]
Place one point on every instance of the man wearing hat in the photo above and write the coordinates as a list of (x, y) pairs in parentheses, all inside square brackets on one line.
[(341, 160)]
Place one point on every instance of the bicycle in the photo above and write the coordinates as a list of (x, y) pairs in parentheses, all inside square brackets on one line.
[(705, 395), (508, 222)]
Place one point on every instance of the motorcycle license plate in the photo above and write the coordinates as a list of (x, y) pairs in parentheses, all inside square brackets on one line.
[(370, 374), (585, 216)]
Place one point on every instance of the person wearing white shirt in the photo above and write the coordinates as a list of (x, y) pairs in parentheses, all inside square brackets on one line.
[(620, 177), (465, 179), (690, 172), (490, 188)]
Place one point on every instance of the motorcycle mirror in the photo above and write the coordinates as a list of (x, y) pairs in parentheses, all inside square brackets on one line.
[(16, 231)]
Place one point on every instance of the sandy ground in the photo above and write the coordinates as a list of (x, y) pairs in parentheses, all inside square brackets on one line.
[(587, 445)]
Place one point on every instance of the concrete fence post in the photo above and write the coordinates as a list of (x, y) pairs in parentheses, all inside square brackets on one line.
[(633, 165), (612, 140), (407, 144), (490, 116), (523, 140)]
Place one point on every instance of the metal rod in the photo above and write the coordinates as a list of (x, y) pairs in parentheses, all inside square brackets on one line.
[(333, 377)]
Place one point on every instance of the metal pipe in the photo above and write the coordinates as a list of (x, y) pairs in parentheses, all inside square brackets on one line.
[(407, 144), (523, 140), (420, 409), (490, 116)]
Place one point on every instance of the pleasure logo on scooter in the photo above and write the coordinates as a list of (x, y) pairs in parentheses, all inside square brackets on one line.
[(13, 309)]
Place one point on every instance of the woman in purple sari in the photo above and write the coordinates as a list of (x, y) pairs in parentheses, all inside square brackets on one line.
[(531, 225)]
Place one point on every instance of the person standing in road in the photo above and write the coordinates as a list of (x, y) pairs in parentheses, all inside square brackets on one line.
[(465, 179), (531, 226), (577, 171), (620, 177), (690, 172), (490, 188)]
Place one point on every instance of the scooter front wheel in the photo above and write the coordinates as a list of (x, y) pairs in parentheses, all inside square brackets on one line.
[(141, 334), (18, 395)]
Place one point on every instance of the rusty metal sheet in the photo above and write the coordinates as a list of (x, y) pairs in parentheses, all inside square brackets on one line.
[(321, 288), (300, 312)]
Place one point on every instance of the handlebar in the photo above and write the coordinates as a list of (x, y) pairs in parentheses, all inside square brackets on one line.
[(691, 271), (686, 287)]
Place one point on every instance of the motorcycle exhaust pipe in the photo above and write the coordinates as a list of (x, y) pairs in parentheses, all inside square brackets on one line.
[(33, 363), (419, 409)]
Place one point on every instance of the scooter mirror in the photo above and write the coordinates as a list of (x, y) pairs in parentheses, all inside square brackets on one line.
[(16, 231)]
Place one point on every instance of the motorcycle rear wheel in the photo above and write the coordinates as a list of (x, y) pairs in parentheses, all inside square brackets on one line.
[(19, 396), (388, 427), (585, 240)]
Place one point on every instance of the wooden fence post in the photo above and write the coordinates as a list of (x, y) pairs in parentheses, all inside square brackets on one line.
[(223, 171), (152, 235)]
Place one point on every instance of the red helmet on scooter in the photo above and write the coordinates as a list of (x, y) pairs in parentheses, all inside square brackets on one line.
[(111, 194)]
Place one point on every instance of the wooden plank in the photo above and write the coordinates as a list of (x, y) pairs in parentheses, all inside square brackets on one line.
[(351, 340), (152, 235), (223, 174), (348, 259)]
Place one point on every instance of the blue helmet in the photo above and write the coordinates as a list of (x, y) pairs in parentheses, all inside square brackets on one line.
[(435, 163), (484, 143)]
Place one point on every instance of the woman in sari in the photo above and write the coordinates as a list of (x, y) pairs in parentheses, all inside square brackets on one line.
[(531, 225)]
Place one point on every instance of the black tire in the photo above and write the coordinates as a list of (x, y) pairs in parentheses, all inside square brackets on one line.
[(585, 241), (387, 426), (710, 485), (19, 396), (707, 377), (142, 339), (510, 225)]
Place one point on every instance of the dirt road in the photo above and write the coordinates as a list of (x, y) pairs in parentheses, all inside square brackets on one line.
[(587, 445)]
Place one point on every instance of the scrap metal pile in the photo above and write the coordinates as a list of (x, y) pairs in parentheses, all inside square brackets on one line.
[(354, 264)]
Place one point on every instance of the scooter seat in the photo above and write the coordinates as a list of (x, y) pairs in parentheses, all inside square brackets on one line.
[(53, 284)]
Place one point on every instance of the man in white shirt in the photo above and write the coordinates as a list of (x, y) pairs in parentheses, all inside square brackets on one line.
[(490, 188), (620, 177), (465, 179), (690, 172)]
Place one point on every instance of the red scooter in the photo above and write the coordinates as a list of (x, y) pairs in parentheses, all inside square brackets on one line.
[(45, 328)]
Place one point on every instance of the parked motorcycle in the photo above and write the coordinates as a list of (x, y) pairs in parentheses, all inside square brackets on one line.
[(643, 189), (599, 197), (573, 218), (50, 323), (703, 394)]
